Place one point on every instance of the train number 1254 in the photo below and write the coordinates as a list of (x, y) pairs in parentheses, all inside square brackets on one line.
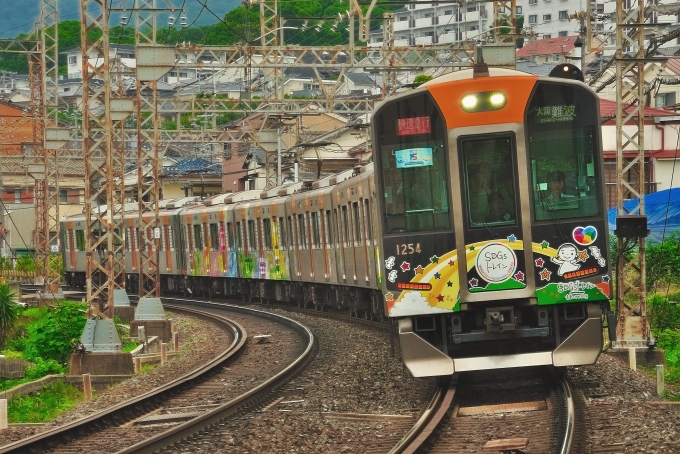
[(406, 249)]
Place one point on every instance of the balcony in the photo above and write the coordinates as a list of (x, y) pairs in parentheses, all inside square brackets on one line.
[(471, 16), (402, 42), (423, 5), (401, 25), (443, 20), (423, 40), (447, 38), (423, 22)]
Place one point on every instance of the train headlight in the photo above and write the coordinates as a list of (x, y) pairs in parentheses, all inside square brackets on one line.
[(482, 102)]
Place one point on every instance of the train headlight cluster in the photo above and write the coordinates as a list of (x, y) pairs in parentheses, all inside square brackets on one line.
[(482, 102)]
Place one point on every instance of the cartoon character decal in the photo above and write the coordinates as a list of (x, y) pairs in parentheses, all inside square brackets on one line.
[(567, 259)]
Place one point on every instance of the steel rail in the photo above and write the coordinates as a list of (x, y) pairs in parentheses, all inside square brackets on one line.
[(568, 440), (428, 421), (189, 428)]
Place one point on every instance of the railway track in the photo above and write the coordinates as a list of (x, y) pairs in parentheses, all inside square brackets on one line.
[(500, 411), (182, 407)]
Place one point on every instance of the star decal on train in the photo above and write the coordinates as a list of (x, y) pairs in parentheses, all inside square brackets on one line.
[(545, 244), (451, 263), (449, 284), (519, 276), (418, 269), (583, 255), (389, 297), (539, 262), (545, 274), (437, 275), (434, 259), (440, 298), (512, 238), (474, 282), (472, 248), (405, 266), (606, 279)]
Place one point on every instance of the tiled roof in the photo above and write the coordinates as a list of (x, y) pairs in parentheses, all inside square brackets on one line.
[(608, 111), (673, 65), (547, 46), (193, 165)]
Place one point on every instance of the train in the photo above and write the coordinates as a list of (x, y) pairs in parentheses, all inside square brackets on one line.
[(479, 228)]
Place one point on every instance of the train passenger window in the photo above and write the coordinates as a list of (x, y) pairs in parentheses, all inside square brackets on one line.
[(138, 239), (369, 225), (252, 238), (489, 180), (230, 236), (316, 235), (336, 228), (80, 240), (411, 157), (562, 127), (291, 232), (357, 223), (329, 230), (214, 238), (345, 226), (198, 237), (238, 238), (282, 233), (302, 231), (267, 231), (127, 243)]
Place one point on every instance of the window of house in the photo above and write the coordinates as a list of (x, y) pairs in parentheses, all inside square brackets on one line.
[(547, 37), (563, 15), (664, 99), (532, 18), (63, 195), (17, 195), (562, 33), (533, 2), (72, 60), (183, 74), (518, 10), (403, 19), (448, 12), (547, 17)]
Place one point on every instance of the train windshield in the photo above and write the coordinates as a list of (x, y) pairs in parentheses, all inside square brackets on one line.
[(410, 137), (489, 179), (562, 127)]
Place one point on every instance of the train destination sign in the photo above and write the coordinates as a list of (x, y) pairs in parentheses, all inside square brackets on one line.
[(413, 125), (555, 114)]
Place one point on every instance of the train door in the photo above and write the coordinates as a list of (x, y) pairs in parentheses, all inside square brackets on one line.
[(492, 223)]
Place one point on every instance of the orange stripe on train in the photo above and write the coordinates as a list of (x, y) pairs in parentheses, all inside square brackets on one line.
[(516, 88)]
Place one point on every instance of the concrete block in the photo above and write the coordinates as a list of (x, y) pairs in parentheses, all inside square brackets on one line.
[(125, 313), (101, 363), (160, 328)]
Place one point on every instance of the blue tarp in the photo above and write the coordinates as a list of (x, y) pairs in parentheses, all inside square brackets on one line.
[(663, 213)]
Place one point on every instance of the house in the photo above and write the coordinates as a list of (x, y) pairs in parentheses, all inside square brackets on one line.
[(554, 50), (124, 52)]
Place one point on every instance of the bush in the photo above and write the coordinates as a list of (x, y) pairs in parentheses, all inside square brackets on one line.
[(663, 261), (43, 367), (52, 336), (662, 313)]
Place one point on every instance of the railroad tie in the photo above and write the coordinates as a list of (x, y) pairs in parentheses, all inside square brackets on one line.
[(507, 445)]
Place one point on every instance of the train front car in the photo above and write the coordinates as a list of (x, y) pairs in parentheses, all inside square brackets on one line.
[(493, 223)]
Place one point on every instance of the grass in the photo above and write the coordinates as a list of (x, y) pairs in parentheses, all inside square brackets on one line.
[(43, 405)]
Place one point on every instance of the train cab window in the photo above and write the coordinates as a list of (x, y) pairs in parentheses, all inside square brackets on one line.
[(412, 165), (489, 180), (267, 231), (562, 127), (198, 237), (214, 238), (252, 238)]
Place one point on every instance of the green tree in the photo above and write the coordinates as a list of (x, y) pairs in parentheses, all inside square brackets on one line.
[(52, 336), (663, 261), (9, 312)]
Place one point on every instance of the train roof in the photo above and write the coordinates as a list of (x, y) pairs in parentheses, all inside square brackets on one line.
[(465, 74)]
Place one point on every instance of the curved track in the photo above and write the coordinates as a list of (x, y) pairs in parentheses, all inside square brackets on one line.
[(149, 403)]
